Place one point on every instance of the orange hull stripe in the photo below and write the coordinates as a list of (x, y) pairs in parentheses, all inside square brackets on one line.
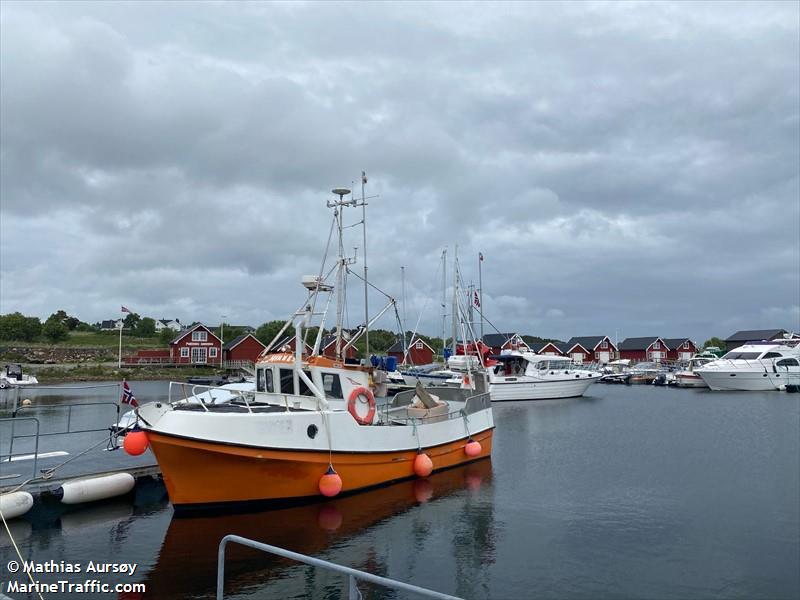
[(198, 472)]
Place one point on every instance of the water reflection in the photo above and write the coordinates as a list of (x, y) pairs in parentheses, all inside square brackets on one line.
[(187, 559)]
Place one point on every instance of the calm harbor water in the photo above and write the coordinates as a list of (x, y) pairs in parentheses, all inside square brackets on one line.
[(631, 492)]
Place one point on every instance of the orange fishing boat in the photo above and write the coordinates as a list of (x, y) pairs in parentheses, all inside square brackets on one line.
[(312, 426)]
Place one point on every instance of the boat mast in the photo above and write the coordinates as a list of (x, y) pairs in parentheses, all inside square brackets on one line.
[(444, 299), (455, 299), (403, 326), (341, 261), (366, 298)]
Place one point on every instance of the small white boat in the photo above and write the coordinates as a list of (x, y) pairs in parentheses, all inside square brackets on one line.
[(529, 376), (687, 377), (13, 376), (617, 371), (757, 366), (432, 374)]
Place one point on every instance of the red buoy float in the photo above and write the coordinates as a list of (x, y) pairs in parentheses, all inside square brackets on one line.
[(330, 484), (473, 448), (423, 465), (135, 442)]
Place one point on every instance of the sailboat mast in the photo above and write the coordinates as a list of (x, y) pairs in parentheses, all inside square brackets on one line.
[(444, 299), (455, 299)]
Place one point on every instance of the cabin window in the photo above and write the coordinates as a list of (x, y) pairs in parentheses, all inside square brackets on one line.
[(287, 385), (604, 344), (772, 355), (332, 385), (184, 353), (199, 336), (733, 355), (787, 362), (270, 385), (656, 346), (418, 345), (303, 387), (260, 380), (685, 345), (212, 353), (597, 355)]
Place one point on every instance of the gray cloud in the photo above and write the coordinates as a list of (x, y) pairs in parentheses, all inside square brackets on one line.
[(623, 167)]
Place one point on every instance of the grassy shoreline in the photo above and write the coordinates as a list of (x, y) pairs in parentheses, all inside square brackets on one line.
[(54, 375)]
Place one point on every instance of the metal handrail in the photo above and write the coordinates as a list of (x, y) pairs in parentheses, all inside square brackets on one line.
[(10, 455), (352, 574)]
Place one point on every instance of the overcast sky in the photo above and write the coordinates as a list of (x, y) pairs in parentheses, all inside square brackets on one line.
[(626, 169)]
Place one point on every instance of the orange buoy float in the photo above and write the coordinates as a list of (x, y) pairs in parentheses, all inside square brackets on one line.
[(135, 442), (473, 448), (330, 484), (364, 396), (423, 465)]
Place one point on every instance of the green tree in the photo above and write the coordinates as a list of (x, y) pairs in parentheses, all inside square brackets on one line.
[(16, 326), (131, 320), (267, 331), (714, 341), (166, 336), (54, 330), (145, 328)]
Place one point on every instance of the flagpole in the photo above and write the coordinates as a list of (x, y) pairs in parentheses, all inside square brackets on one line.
[(480, 287), (121, 325)]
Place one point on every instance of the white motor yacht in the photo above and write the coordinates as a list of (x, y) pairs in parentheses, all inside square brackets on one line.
[(529, 376), (756, 366)]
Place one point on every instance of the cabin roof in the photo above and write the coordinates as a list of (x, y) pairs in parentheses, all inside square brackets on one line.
[(673, 343), (239, 339), (589, 342)]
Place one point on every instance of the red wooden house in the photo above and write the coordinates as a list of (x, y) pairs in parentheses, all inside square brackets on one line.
[(328, 346), (505, 341), (288, 344), (242, 349), (649, 349), (680, 348), (546, 348), (196, 346), (419, 352), (591, 348)]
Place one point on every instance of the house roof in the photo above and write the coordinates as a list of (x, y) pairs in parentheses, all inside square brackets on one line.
[(239, 339), (539, 346), (186, 332), (497, 339), (751, 335), (589, 342), (673, 343), (637, 343)]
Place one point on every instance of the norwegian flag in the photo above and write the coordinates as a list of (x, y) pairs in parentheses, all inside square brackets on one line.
[(480, 256), (476, 300), (123, 309), (127, 395)]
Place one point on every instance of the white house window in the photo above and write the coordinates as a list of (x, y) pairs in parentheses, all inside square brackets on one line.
[(597, 355), (199, 336), (685, 345), (418, 345), (604, 345), (184, 353), (212, 353), (656, 346)]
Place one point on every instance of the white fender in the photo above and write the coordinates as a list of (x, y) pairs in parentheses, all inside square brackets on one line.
[(95, 488), (15, 504)]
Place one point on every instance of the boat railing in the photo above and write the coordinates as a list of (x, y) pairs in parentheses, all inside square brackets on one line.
[(11, 456), (389, 412), (353, 575)]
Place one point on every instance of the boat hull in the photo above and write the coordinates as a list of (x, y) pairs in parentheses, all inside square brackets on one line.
[(689, 380), (741, 380), (210, 473), (541, 390)]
